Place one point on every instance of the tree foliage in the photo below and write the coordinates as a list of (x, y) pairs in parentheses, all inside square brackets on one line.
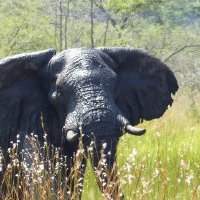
[(24, 26), (125, 6)]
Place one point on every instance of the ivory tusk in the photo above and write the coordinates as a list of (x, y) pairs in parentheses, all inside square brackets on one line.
[(71, 135), (134, 130)]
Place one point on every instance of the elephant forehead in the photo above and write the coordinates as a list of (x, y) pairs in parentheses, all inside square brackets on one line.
[(72, 59), (77, 55), (86, 76), (83, 58)]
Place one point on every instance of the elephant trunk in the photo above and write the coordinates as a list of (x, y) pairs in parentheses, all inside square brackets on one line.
[(97, 115)]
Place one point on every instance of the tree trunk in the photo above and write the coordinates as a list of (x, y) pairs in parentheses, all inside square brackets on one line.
[(92, 22), (56, 24), (66, 24), (61, 25), (105, 33)]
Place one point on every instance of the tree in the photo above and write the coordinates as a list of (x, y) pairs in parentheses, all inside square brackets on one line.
[(24, 27), (92, 22)]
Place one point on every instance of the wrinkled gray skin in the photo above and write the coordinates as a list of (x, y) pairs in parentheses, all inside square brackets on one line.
[(93, 94)]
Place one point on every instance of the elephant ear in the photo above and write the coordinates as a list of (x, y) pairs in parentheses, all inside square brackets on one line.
[(145, 85), (22, 99)]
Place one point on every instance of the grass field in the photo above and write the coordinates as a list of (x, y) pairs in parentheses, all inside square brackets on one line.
[(163, 164)]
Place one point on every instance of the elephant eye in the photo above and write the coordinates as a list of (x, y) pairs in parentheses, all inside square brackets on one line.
[(60, 90), (59, 94), (56, 94)]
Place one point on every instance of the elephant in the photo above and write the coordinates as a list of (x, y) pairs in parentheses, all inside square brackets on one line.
[(96, 94)]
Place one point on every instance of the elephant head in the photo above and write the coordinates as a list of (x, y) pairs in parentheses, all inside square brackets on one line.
[(101, 91)]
